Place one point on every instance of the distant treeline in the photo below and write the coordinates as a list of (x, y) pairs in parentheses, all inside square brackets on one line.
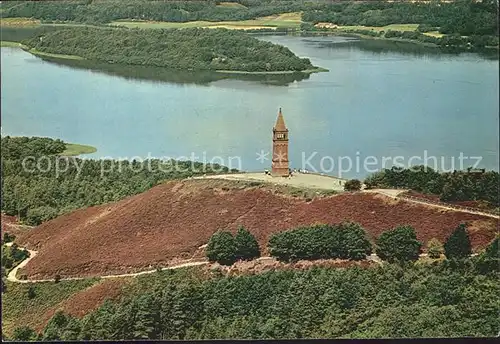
[(40, 193), (464, 17), (105, 11), (451, 40), (187, 49), (450, 186)]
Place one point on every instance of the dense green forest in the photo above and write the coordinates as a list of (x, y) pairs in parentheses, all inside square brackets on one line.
[(390, 301), (464, 17), (187, 49), (40, 193), (106, 11), (451, 186)]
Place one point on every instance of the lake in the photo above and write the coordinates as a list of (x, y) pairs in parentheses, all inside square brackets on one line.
[(379, 100)]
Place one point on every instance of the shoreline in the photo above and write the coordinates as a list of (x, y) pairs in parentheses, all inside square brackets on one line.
[(306, 71), (396, 39)]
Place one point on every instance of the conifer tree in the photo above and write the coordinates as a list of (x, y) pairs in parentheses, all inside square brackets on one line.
[(221, 248), (399, 245), (247, 247), (458, 245), (355, 244)]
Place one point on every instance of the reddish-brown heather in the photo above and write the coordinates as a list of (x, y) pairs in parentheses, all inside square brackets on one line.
[(171, 221)]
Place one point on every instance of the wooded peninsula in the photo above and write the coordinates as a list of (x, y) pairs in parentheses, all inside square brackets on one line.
[(186, 49)]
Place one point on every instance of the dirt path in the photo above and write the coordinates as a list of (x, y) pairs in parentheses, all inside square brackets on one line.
[(12, 274), (396, 193), (325, 182)]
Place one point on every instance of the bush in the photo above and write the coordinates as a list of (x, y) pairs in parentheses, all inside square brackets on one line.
[(36, 216), (355, 242), (352, 185), (31, 292), (399, 245), (7, 237), (247, 247), (489, 260), (427, 28), (221, 248), (458, 245), (393, 33), (24, 334), (434, 248), (345, 240)]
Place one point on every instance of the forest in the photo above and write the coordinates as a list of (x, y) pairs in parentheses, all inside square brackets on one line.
[(105, 11), (35, 191), (465, 185), (185, 49), (390, 301), (463, 17)]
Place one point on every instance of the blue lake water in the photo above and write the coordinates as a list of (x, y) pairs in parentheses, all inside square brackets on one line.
[(374, 101)]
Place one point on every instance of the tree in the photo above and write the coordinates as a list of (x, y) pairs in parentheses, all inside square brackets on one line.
[(7, 237), (24, 333), (355, 242), (489, 260), (434, 248), (31, 292), (458, 245), (352, 185), (221, 248), (247, 247), (57, 278), (399, 245)]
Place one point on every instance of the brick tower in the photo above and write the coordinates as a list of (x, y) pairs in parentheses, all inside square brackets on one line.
[(280, 148)]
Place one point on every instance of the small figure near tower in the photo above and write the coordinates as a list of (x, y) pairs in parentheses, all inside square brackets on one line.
[(280, 148)]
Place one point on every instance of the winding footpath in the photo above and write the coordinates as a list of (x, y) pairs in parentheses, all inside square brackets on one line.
[(13, 278), (396, 193)]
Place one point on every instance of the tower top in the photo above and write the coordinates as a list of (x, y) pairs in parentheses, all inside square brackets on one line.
[(280, 122)]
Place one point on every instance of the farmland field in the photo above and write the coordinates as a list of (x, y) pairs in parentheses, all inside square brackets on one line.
[(284, 20)]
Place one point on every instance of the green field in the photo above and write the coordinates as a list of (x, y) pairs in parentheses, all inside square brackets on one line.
[(11, 44), (73, 149), (231, 5), (20, 310), (285, 20), (394, 27)]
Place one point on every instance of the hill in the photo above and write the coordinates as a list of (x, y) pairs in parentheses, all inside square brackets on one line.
[(171, 221)]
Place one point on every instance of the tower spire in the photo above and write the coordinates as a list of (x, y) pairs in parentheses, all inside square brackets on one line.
[(280, 122)]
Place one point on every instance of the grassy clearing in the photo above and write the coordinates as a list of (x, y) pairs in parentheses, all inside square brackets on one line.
[(59, 56), (285, 20), (12, 44), (73, 149), (19, 310), (231, 5), (20, 22), (434, 34), (393, 27)]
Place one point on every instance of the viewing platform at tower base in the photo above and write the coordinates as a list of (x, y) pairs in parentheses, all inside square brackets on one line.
[(297, 179)]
